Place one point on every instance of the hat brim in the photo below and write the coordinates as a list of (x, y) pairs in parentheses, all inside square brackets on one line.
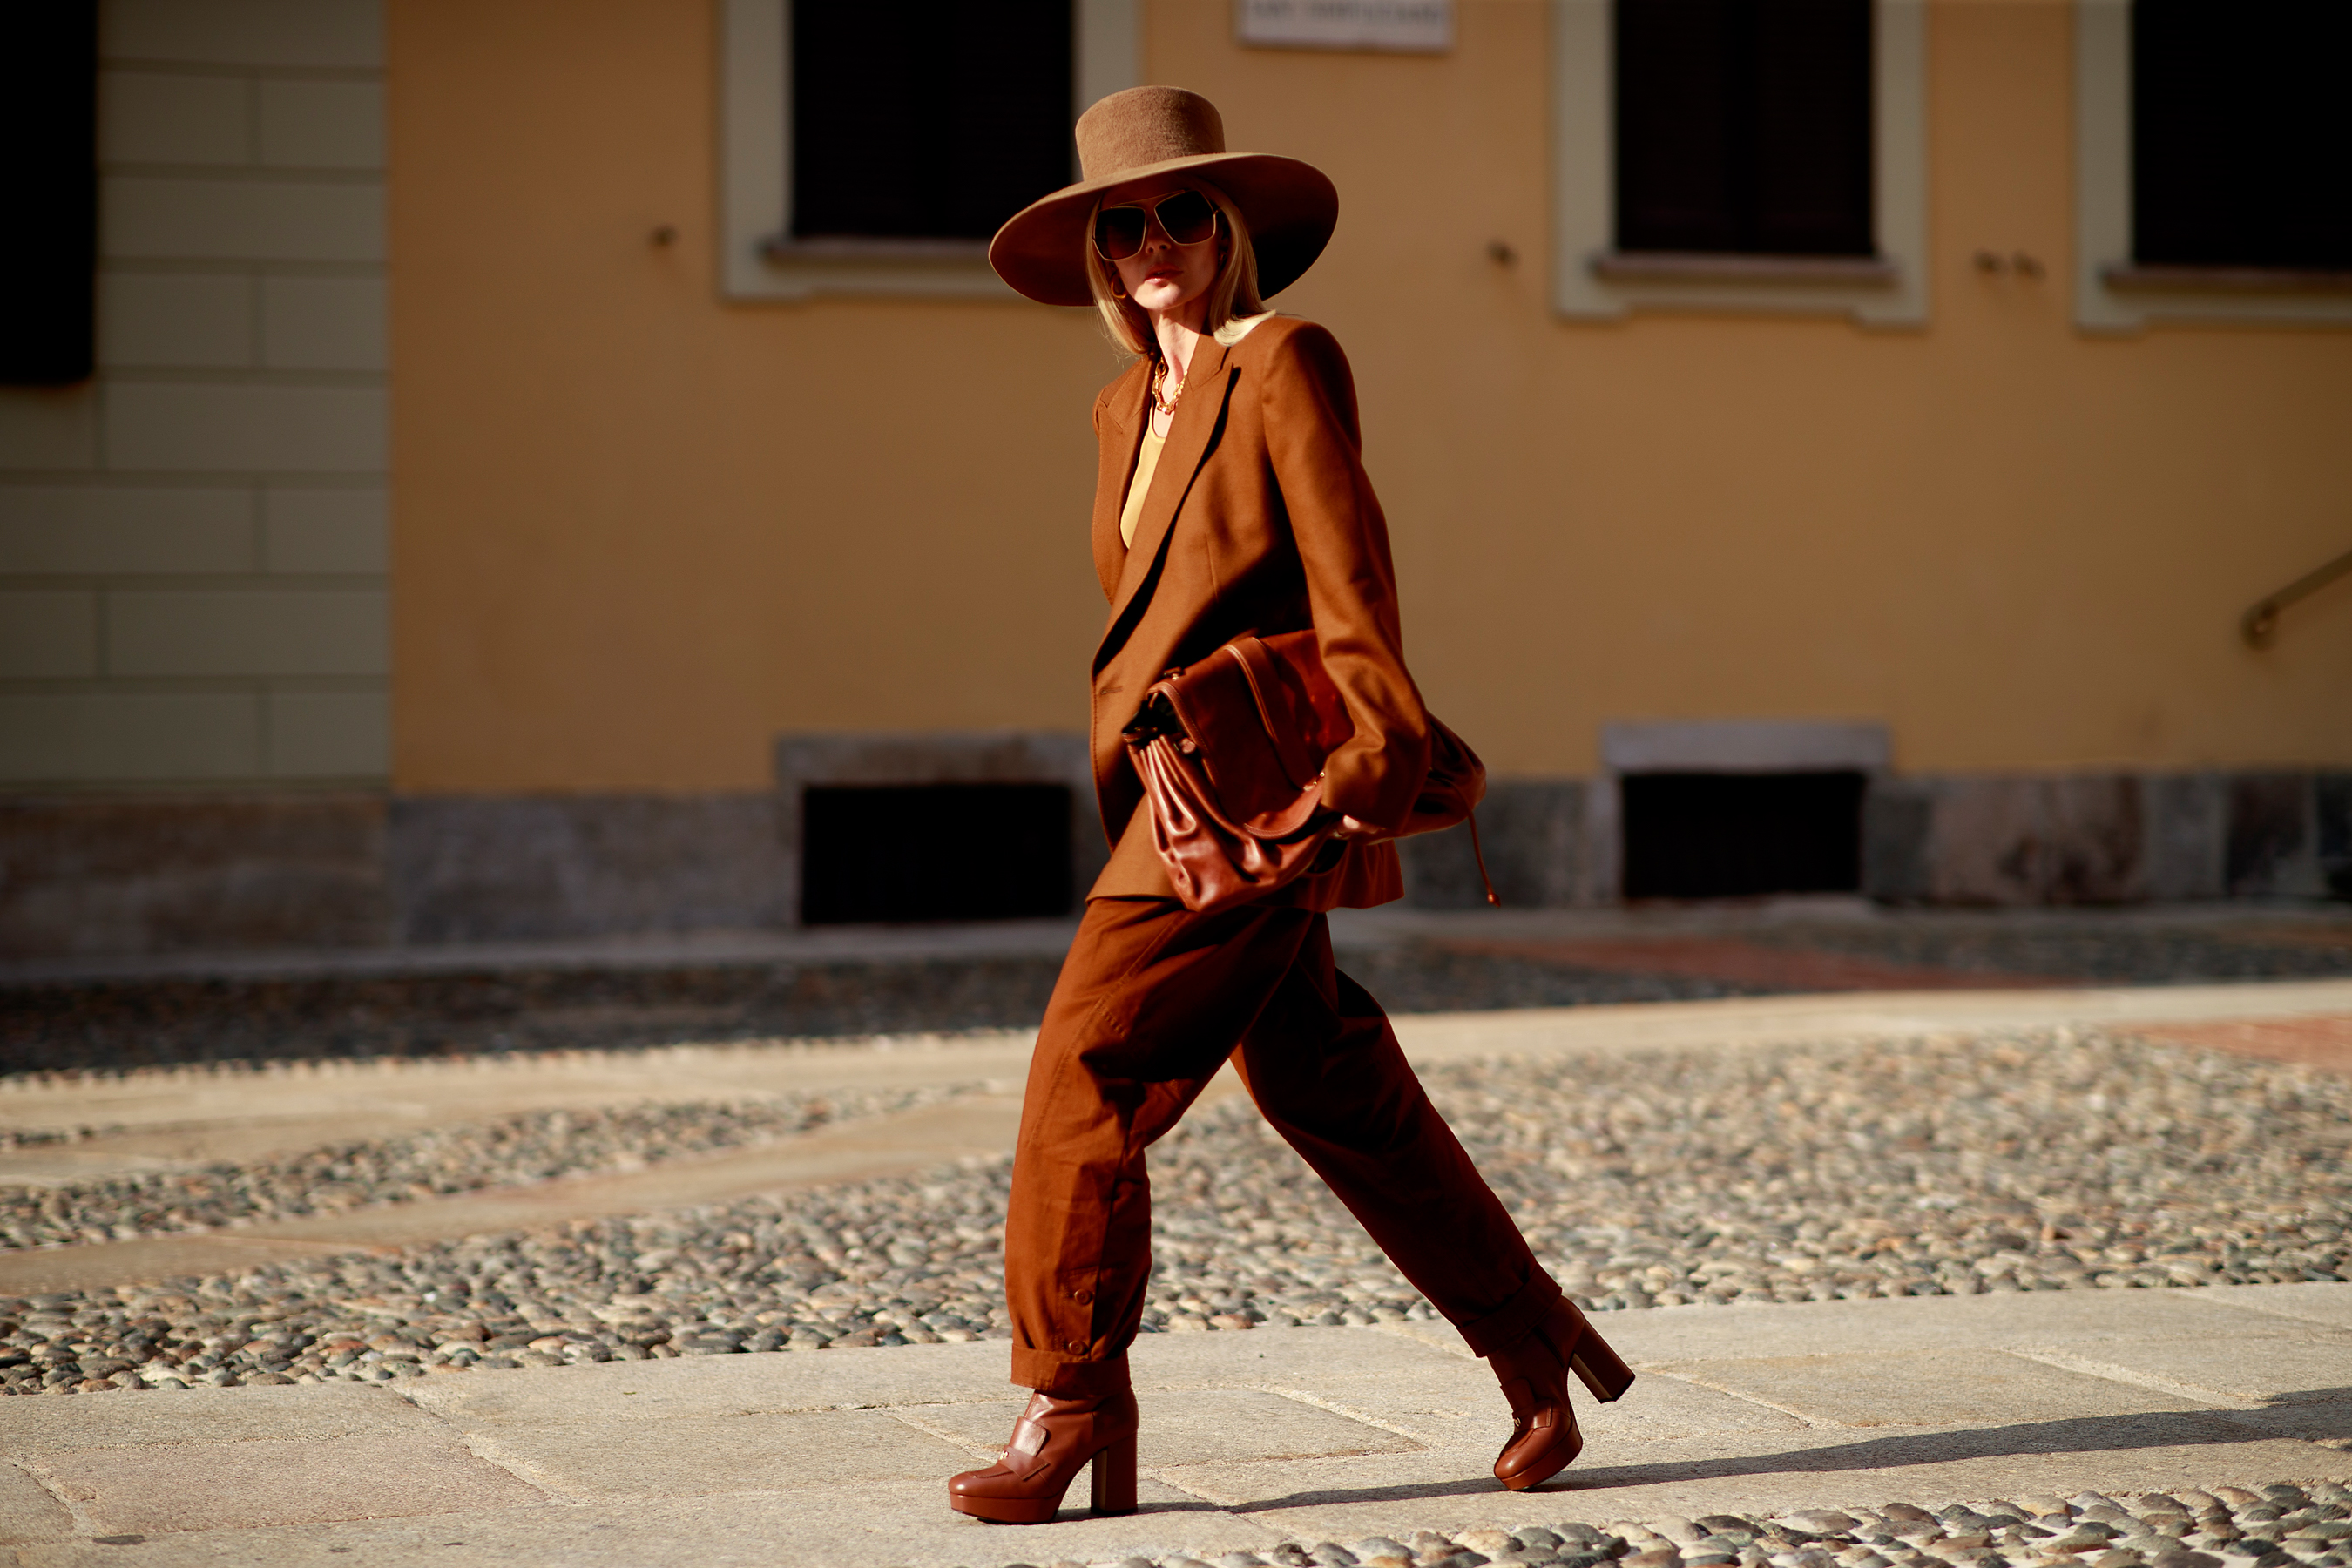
[(1290, 207)]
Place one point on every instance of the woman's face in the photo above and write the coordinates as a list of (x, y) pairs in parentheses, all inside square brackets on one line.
[(1165, 278)]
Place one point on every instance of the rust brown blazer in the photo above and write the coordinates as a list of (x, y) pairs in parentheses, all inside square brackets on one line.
[(1259, 519)]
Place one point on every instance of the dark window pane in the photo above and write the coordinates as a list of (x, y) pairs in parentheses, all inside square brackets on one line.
[(1744, 126), (927, 119), (2241, 134), (934, 852), (48, 189), (1723, 835)]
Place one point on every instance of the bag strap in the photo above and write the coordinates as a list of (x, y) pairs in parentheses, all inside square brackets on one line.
[(1480, 856), (1289, 745)]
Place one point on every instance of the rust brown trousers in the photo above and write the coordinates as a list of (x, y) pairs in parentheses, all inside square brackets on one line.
[(1151, 1001), (1259, 519)]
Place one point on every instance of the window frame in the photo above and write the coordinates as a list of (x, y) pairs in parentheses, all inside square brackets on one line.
[(758, 261), (2115, 294), (1593, 281)]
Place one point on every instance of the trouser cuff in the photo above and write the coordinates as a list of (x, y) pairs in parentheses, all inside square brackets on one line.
[(1065, 1378), (1515, 1318)]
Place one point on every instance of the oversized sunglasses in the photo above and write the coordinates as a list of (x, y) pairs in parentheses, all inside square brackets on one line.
[(1188, 217)]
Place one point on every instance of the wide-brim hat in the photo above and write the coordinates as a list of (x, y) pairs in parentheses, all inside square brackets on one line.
[(1144, 134)]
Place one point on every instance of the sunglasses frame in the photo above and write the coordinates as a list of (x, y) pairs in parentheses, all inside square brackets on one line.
[(1150, 211)]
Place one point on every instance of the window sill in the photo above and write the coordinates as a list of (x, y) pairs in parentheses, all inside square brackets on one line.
[(2131, 278), (873, 269), (893, 251), (1697, 267)]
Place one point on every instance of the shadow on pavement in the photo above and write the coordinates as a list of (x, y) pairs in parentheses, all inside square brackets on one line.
[(2080, 1434)]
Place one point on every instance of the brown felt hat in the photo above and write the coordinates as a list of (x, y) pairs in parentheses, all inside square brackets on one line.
[(1139, 134)]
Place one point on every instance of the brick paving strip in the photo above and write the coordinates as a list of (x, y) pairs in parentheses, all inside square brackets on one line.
[(2318, 1042), (1738, 962)]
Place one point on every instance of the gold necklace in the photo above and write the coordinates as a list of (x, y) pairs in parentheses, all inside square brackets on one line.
[(1176, 392)]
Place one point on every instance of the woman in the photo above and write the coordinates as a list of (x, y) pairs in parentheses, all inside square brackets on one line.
[(1230, 500)]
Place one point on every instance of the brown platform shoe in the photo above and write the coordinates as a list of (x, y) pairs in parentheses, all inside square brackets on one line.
[(1534, 1376), (1053, 1439)]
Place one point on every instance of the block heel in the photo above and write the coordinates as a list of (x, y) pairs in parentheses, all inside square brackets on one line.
[(1052, 1442), (1114, 1477), (1602, 1372), (1534, 1376)]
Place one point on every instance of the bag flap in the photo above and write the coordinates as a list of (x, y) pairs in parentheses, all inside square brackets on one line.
[(1313, 709), (1262, 716)]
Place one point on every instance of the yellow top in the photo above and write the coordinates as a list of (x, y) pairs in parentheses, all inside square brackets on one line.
[(1146, 459)]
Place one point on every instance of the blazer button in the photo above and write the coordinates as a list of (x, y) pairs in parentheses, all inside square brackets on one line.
[(1077, 1345), (1082, 1297)]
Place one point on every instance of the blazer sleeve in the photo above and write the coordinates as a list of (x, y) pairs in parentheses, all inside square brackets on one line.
[(1314, 447)]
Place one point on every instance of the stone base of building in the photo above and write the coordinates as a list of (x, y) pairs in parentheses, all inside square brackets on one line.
[(82, 877), (86, 876), (1979, 840)]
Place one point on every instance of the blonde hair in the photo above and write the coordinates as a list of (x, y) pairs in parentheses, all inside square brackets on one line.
[(1234, 293)]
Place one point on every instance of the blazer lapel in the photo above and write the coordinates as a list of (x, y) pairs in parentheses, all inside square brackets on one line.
[(1198, 418), (1122, 432)]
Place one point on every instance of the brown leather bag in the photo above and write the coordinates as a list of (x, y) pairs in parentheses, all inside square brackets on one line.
[(1231, 754)]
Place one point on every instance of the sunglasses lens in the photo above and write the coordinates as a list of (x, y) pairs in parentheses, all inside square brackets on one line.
[(1119, 232), (1189, 217)]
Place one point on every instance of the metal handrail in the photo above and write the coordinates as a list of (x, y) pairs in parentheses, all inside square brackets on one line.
[(2259, 624)]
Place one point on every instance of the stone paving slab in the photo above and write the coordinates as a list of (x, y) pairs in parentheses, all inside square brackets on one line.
[(1305, 1434), (1915, 1388), (689, 1455), (2250, 1369), (2313, 1303), (183, 1487), (28, 1510), (35, 1426)]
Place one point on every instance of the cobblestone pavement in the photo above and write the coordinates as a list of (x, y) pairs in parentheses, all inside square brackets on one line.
[(2031, 1160), (113, 1024), (2279, 1526), (537, 1146)]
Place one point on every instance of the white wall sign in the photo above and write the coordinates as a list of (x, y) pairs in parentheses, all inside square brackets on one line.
[(1408, 27)]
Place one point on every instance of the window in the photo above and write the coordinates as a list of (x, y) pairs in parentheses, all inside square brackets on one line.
[(1740, 156), (48, 105), (1743, 127), (1712, 808), (934, 852), (2213, 158), (872, 148), (2241, 142), (927, 119), (1729, 835)]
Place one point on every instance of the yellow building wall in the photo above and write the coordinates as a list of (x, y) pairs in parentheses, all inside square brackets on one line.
[(639, 531)]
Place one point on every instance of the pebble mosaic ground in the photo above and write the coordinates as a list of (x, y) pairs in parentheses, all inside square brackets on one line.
[(2278, 1526), (537, 1146), (2042, 1160)]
